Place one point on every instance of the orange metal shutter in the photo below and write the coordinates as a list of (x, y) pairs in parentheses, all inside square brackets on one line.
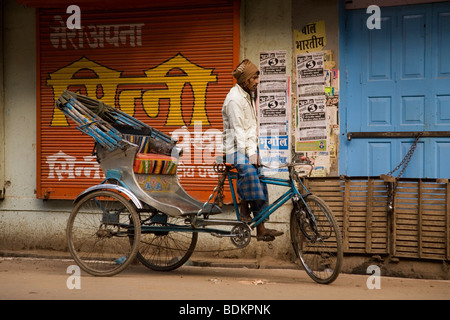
[(170, 68)]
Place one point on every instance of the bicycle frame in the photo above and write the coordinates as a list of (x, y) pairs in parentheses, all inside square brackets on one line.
[(292, 192), (200, 225)]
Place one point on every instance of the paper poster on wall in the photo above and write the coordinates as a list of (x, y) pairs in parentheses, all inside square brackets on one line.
[(273, 109), (310, 68), (311, 131), (310, 74), (272, 100), (310, 38), (311, 127), (272, 64)]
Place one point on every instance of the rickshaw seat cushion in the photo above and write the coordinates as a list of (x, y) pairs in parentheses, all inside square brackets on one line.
[(153, 163), (148, 144)]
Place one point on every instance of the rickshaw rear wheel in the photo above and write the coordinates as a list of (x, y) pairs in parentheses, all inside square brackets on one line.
[(165, 250), (99, 230)]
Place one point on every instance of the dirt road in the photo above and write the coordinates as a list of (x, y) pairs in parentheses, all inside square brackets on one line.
[(32, 278)]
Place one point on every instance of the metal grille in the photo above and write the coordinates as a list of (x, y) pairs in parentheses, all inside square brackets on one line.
[(168, 67)]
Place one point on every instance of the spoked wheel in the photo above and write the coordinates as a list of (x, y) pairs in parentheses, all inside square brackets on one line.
[(99, 230), (316, 239), (165, 250)]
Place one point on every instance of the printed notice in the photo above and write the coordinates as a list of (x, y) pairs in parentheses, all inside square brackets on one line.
[(311, 38), (272, 64), (311, 133), (273, 108)]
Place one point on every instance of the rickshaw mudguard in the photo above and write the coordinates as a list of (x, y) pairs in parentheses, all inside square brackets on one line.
[(119, 189)]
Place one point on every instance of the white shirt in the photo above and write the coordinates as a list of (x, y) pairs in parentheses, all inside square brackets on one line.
[(240, 126)]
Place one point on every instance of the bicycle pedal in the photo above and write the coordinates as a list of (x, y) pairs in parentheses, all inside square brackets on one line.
[(265, 238)]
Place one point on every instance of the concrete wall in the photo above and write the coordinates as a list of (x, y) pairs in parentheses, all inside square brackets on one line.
[(308, 11), (25, 222), (2, 112), (266, 25)]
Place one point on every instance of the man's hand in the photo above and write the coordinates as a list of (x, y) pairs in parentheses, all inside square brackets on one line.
[(254, 159)]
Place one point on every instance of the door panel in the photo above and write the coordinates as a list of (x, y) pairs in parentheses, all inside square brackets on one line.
[(397, 79), (442, 18)]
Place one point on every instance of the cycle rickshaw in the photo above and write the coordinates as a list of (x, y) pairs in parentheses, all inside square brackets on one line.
[(141, 210)]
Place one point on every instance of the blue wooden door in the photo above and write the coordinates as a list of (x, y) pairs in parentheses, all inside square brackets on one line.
[(396, 79)]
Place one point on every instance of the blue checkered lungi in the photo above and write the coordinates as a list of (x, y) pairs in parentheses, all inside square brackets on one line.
[(249, 186)]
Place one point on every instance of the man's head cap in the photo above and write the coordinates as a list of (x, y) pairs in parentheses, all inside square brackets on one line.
[(244, 71)]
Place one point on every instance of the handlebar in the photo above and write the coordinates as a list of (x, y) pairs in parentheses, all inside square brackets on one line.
[(304, 161)]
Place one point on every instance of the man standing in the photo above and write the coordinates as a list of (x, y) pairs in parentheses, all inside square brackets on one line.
[(240, 138)]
